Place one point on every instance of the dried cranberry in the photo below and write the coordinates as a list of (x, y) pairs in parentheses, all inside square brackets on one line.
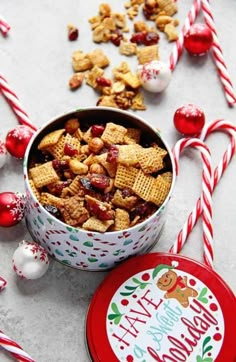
[(97, 130), (53, 210), (105, 214), (60, 186), (112, 154), (99, 181), (73, 34), (70, 150), (103, 82), (99, 209), (143, 209), (138, 37), (116, 37), (150, 38), (59, 165)]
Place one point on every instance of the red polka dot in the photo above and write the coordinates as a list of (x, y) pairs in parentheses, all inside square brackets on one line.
[(129, 358), (145, 277), (134, 296), (192, 282), (124, 302), (217, 337), (213, 307)]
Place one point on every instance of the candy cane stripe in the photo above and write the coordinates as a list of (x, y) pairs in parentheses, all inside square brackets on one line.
[(14, 102), (14, 349), (4, 26), (179, 44), (216, 126), (205, 200), (218, 55)]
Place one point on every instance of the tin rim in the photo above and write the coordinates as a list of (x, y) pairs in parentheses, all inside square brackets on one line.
[(100, 109)]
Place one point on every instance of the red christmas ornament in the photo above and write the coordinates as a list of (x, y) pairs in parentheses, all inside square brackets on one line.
[(189, 120), (198, 39), (17, 140), (12, 206)]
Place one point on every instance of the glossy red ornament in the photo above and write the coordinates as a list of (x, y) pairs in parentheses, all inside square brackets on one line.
[(17, 140), (198, 39), (12, 206), (189, 120)]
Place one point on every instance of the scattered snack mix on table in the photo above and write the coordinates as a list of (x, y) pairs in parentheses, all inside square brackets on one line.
[(107, 26)]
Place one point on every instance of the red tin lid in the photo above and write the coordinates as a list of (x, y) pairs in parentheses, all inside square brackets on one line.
[(162, 307)]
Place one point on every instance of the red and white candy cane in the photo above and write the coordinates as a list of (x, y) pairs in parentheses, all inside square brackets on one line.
[(206, 196), (14, 349), (218, 55), (179, 44), (14, 102), (220, 126), (4, 26), (3, 283)]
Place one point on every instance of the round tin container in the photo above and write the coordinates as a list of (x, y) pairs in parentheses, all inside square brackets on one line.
[(162, 307), (93, 250)]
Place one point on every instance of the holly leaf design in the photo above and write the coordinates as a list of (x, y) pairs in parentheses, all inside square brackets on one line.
[(207, 359), (202, 297), (88, 243), (132, 288), (209, 348), (126, 294), (74, 238), (58, 252), (128, 241), (115, 308), (116, 316), (92, 260), (67, 262), (135, 280), (143, 285), (40, 220), (205, 348), (206, 340), (142, 228), (69, 228)]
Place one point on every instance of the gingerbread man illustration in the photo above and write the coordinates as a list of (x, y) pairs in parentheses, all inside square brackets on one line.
[(175, 286)]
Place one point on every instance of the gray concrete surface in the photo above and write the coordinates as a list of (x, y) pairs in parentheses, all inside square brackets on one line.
[(47, 316)]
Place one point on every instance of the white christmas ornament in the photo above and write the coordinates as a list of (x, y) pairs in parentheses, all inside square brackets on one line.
[(3, 154), (30, 260), (155, 76)]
